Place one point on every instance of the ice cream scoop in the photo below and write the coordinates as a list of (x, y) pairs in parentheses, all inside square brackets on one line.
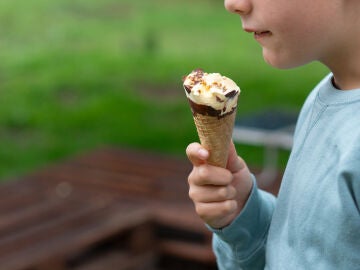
[(211, 93), (213, 101)]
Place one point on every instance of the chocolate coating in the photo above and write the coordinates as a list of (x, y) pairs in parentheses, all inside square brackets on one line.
[(207, 110)]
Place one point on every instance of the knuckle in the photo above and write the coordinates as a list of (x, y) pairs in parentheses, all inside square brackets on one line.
[(200, 211), (232, 192), (192, 194), (205, 212), (194, 178), (203, 173), (229, 206), (223, 192), (191, 177), (189, 150), (228, 177)]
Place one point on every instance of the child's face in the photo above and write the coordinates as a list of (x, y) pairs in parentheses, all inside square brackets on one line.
[(291, 32)]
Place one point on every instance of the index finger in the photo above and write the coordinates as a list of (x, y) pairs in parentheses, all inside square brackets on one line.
[(197, 154)]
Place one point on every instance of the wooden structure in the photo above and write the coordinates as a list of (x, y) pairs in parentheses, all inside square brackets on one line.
[(108, 209)]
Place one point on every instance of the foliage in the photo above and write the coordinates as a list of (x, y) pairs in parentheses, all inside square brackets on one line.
[(79, 74)]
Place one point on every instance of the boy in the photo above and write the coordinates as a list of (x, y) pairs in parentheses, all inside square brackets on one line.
[(315, 223)]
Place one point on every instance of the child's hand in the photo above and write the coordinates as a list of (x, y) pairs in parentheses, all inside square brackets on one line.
[(218, 194)]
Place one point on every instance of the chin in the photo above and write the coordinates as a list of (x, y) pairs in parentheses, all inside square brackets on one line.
[(281, 61)]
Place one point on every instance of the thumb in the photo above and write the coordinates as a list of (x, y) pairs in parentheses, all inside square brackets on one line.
[(197, 154), (235, 163)]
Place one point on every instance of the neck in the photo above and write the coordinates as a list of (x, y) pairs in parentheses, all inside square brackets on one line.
[(347, 78), (345, 65), (345, 62)]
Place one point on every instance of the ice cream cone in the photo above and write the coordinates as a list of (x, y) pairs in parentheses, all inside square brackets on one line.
[(213, 101), (215, 135)]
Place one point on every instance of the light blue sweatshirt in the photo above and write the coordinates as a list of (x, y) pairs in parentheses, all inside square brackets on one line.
[(315, 221)]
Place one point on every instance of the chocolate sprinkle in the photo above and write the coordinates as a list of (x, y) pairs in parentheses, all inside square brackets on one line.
[(198, 75)]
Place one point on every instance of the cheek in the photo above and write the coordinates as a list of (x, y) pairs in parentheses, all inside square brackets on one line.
[(285, 55), (292, 46)]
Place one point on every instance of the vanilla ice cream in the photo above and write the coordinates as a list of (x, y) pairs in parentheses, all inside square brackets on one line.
[(211, 93)]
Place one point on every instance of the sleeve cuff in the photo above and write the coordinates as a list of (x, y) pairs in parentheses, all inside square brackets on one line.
[(249, 229)]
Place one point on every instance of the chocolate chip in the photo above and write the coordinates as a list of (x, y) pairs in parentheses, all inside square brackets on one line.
[(219, 99), (187, 88), (231, 94)]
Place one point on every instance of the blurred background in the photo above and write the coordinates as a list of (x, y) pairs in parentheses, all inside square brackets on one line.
[(76, 75)]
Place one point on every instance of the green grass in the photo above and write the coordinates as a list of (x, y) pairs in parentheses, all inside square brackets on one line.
[(75, 75)]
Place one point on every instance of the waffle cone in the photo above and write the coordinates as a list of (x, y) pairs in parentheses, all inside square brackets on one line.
[(215, 135)]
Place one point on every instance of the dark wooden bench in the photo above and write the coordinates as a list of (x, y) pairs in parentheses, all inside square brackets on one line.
[(107, 209)]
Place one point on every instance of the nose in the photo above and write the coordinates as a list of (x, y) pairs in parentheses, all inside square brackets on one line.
[(241, 7)]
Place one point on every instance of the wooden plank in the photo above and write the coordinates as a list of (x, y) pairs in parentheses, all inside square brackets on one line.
[(56, 222), (52, 265), (183, 234), (173, 186), (120, 260), (170, 173), (101, 181), (30, 215), (18, 194), (66, 236), (111, 159), (188, 251), (61, 211), (179, 215)]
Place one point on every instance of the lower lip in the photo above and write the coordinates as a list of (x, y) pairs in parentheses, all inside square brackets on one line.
[(261, 35)]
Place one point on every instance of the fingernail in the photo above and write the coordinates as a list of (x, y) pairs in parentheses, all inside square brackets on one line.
[(203, 153)]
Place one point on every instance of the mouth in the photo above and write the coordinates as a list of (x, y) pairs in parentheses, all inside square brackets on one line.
[(259, 34)]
